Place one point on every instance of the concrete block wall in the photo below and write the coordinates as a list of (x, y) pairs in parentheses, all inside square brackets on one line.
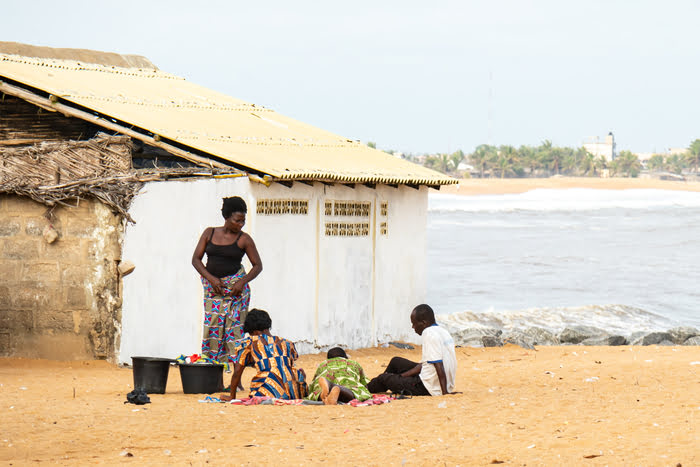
[(59, 300)]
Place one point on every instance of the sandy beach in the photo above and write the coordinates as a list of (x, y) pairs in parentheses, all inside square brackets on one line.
[(568, 405), (495, 186)]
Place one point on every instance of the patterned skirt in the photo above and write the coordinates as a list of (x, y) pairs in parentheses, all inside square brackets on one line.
[(223, 315)]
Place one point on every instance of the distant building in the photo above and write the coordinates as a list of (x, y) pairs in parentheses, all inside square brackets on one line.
[(644, 157), (680, 151), (605, 148)]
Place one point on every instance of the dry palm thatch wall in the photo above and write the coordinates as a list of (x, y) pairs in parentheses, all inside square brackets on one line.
[(55, 172)]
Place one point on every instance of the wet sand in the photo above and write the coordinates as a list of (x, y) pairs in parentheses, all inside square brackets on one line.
[(554, 406), (495, 186)]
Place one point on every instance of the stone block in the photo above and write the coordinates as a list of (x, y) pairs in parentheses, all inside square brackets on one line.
[(54, 321), (28, 296), (66, 251), (25, 249), (10, 271), (104, 248), (16, 320), (45, 272), (6, 347), (34, 226), (5, 297), (80, 227), (76, 297), (23, 205), (10, 227), (74, 275)]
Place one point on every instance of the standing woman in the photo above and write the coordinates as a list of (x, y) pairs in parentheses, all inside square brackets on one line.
[(225, 281)]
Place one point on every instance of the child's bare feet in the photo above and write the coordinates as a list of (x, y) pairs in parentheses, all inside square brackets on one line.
[(325, 388), (332, 398)]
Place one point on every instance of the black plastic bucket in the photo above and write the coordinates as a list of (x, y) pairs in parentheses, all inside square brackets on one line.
[(151, 373), (201, 378)]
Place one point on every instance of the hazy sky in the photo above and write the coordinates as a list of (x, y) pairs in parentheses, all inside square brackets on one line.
[(416, 76)]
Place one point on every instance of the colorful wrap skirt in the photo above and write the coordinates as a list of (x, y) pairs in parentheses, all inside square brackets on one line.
[(223, 315)]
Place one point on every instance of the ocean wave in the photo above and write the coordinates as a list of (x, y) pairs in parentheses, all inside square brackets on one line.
[(574, 199), (613, 318)]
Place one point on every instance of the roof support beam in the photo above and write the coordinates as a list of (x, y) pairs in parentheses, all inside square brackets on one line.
[(52, 104)]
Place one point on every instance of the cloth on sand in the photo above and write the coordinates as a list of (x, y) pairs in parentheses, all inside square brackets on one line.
[(343, 372), (376, 399), (273, 357), (223, 315)]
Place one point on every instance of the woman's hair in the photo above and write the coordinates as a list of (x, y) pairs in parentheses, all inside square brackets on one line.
[(233, 204), (257, 320), (336, 352)]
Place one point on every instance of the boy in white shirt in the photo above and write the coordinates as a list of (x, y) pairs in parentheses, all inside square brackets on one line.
[(435, 374)]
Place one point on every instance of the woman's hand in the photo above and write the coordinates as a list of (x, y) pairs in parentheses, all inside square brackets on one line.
[(237, 288), (216, 284)]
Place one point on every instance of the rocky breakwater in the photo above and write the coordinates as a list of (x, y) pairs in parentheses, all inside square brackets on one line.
[(574, 335)]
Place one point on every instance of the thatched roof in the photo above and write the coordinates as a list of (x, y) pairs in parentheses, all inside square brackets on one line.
[(68, 171)]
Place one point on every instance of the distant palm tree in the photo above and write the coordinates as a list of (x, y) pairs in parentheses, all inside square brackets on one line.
[(587, 163), (656, 162), (600, 164), (693, 155), (483, 158), (627, 163), (507, 157), (676, 163)]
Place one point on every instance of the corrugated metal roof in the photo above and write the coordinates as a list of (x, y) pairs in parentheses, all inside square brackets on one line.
[(219, 125)]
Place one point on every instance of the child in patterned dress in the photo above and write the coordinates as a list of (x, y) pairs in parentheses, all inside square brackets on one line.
[(339, 379)]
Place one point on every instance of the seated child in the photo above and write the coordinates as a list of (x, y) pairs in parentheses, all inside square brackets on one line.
[(339, 379), (273, 358)]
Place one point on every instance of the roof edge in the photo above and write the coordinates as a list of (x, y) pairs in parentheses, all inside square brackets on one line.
[(80, 55)]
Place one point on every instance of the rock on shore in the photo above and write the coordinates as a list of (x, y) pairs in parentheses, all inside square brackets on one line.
[(574, 335)]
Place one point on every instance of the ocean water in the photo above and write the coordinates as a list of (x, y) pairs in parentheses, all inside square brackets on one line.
[(621, 260)]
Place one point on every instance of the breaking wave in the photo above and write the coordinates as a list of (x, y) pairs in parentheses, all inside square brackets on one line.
[(615, 319), (574, 199)]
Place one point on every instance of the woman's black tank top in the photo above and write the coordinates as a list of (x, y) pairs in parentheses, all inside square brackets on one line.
[(223, 260)]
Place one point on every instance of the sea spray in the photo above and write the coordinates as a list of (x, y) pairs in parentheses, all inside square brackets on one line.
[(614, 319)]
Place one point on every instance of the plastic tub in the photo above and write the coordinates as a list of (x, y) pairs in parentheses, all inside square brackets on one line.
[(151, 373), (201, 378)]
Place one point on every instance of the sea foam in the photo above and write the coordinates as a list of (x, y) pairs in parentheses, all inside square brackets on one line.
[(573, 199), (615, 319)]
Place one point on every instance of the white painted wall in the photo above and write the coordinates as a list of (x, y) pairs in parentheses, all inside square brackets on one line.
[(319, 290), (162, 299)]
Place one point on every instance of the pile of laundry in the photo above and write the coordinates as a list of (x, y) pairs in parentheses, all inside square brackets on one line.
[(199, 359)]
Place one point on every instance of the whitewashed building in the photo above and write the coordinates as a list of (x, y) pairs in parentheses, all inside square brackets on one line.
[(606, 147), (340, 227)]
